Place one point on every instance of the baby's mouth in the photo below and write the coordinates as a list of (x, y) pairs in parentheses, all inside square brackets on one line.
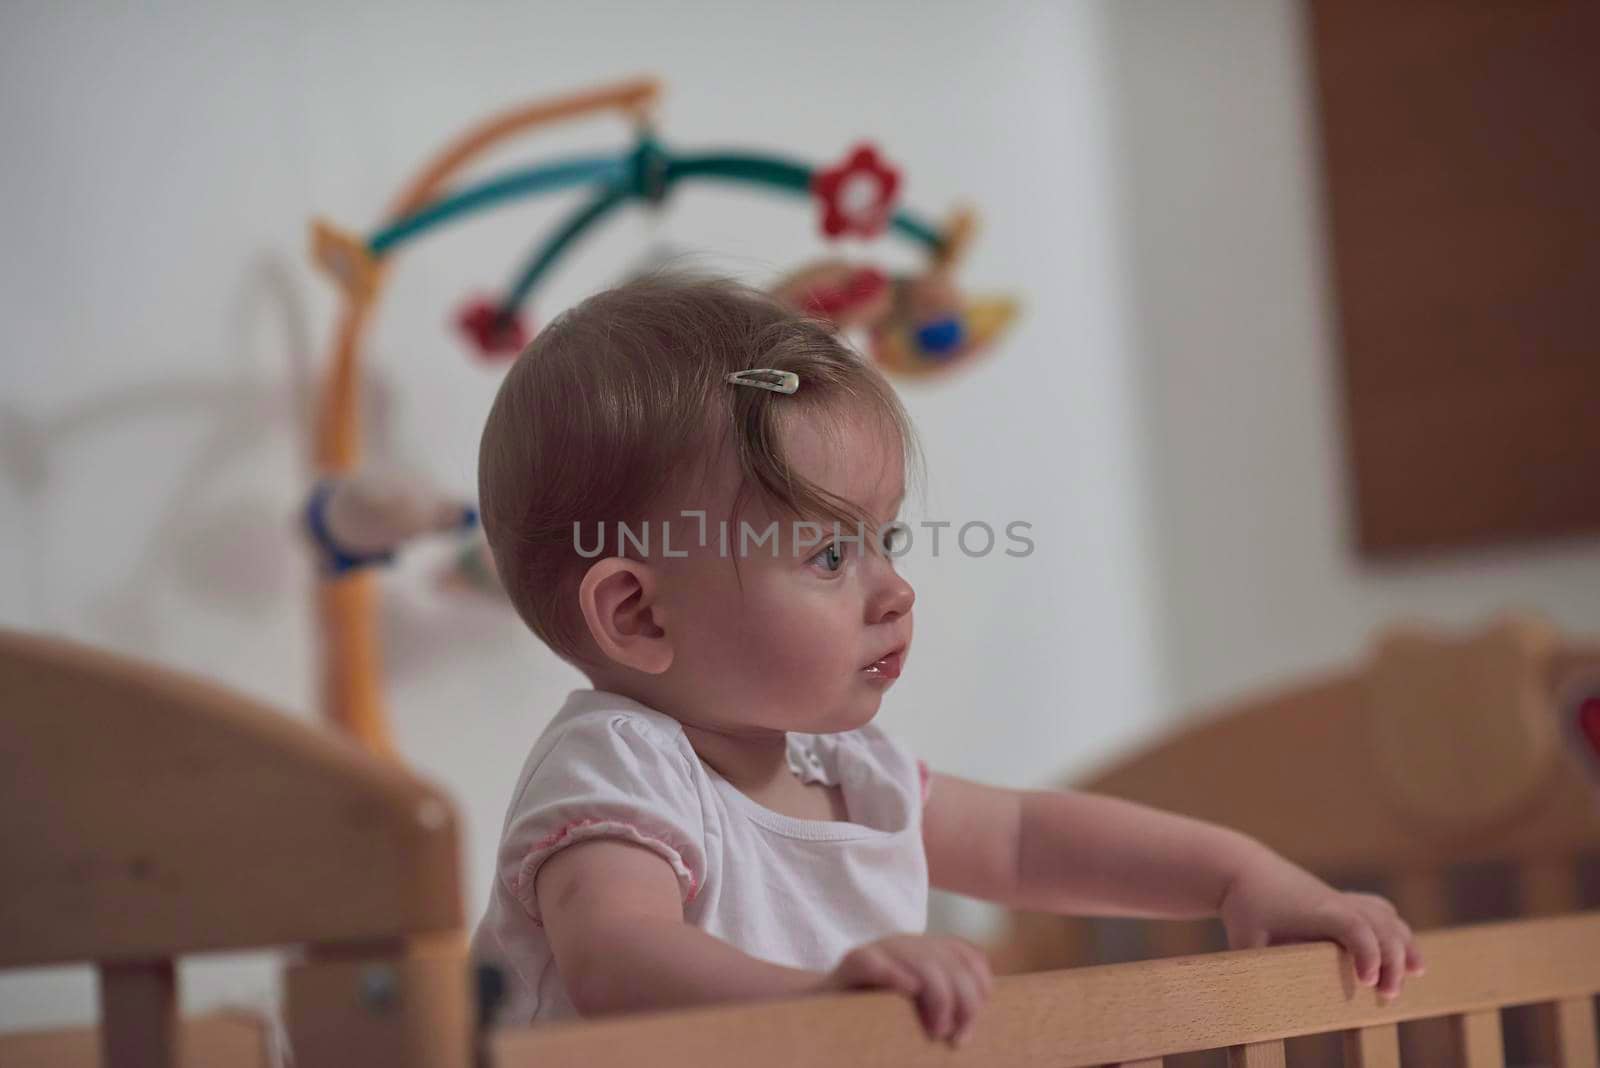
[(887, 667)]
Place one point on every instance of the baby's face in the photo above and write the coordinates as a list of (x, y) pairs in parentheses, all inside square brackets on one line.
[(820, 629)]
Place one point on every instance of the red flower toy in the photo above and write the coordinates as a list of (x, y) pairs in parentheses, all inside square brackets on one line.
[(859, 287), (495, 333), (857, 195)]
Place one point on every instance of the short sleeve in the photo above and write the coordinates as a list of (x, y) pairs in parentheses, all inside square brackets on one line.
[(605, 777), (925, 779)]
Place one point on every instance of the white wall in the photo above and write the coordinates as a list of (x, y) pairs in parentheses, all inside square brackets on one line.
[(159, 324), (1217, 162)]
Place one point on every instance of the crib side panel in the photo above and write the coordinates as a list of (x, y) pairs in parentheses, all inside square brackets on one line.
[(149, 814), (1247, 1001)]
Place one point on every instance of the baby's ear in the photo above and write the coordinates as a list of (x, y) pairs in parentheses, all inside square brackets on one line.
[(618, 600)]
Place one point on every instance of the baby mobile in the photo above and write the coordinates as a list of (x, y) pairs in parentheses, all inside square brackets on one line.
[(917, 325)]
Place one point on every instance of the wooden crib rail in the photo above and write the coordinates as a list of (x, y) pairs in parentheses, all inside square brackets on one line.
[(1247, 1002), (148, 814)]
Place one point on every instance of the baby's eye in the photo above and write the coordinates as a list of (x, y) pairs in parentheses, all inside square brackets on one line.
[(894, 539), (830, 558)]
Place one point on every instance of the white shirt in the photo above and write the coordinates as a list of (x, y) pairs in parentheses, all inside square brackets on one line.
[(795, 892)]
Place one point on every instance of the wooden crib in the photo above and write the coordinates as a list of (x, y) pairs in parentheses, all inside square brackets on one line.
[(1443, 771), (151, 816)]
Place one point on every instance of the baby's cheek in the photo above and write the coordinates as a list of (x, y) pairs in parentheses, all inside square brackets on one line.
[(810, 659), (793, 640)]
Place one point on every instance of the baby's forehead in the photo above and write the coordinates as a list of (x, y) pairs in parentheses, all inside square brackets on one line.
[(858, 460), (854, 456)]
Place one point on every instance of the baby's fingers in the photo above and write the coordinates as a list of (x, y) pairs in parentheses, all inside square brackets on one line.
[(938, 1003), (1355, 933), (970, 996), (1394, 939), (878, 969), (979, 963), (1414, 965)]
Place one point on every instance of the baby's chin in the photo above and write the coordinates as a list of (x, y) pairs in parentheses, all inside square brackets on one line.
[(828, 713), (850, 715)]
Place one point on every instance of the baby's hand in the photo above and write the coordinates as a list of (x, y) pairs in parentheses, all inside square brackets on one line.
[(1273, 901), (947, 977)]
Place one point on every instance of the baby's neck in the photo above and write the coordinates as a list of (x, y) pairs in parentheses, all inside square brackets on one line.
[(752, 761)]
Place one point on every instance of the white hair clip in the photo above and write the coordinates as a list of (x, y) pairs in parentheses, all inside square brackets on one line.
[(767, 378)]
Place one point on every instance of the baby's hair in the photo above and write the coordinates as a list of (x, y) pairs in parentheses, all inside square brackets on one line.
[(624, 400)]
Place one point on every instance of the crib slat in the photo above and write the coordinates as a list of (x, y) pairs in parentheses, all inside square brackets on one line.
[(139, 1011), (1372, 1047), (401, 1005), (1482, 1045), (1576, 1046), (1257, 1055), (1176, 938), (1424, 900), (1154, 1062), (1544, 888)]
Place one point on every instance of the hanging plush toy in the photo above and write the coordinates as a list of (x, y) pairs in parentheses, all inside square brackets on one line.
[(917, 324)]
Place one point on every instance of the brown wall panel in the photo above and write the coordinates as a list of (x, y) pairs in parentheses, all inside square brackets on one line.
[(1461, 155)]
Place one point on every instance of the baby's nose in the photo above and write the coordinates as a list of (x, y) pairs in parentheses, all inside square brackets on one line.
[(896, 599)]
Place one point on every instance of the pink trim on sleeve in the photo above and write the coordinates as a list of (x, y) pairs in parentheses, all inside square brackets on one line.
[(583, 830), (926, 778)]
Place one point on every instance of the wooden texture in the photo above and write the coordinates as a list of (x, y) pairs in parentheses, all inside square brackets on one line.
[(1547, 888), (409, 1006), (139, 1014), (1102, 1015), (215, 1040), (1318, 793), (1461, 728), (1257, 1055), (1372, 1047), (1460, 164), (1171, 938), (1423, 900), (1575, 1044), (1482, 1045), (149, 814)]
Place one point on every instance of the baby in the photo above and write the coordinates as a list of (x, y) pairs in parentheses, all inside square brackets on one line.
[(690, 495)]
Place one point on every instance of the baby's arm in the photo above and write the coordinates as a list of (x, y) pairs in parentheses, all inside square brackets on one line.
[(613, 913), (611, 910), (1073, 852)]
